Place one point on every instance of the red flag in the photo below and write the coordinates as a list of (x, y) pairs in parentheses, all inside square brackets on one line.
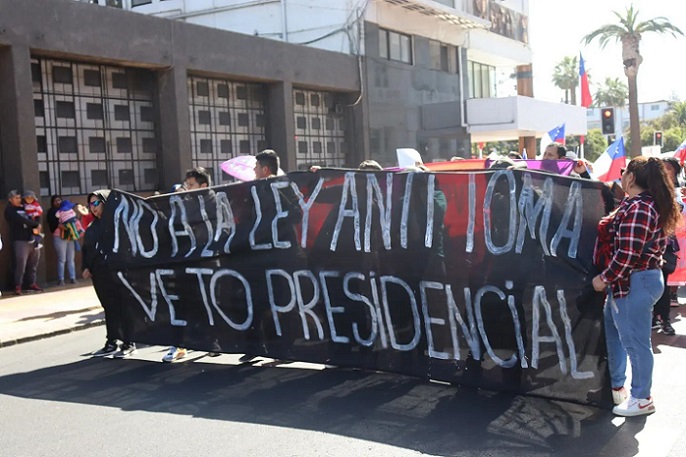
[(586, 99)]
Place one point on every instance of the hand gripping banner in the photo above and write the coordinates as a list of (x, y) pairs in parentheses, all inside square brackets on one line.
[(469, 278)]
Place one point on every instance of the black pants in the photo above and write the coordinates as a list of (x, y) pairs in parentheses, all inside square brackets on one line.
[(662, 307), (109, 299)]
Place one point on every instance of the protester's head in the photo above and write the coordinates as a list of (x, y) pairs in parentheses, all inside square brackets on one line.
[(197, 178), (370, 165), (29, 196), (14, 197), (649, 174), (55, 201), (514, 155), (456, 158), (96, 202), (673, 169), (266, 164), (554, 151), (177, 188)]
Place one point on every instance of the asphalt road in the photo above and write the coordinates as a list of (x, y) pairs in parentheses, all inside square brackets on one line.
[(56, 401)]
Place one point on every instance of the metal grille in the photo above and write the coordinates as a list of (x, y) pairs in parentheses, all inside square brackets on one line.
[(228, 118), (319, 129), (95, 127)]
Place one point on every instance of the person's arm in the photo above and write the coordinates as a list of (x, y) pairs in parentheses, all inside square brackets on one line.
[(13, 217)]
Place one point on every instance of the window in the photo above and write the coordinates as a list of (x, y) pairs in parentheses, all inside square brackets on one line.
[(124, 145), (65, 110), (223, 90), (224, 118), (481, 80), (91, 78), (319, 128), (119, 81), (94, 111), (61, 75), (96, 144), (654, 107), (135, 3), (67, 145), (206, 146), (99, 178), (202, 89), (439, 56), (228, 120), (204, 117), (38, 108), (395, 46), (94, 127), (121, 113)]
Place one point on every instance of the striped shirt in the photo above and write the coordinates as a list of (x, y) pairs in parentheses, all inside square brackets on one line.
[(639, 242)]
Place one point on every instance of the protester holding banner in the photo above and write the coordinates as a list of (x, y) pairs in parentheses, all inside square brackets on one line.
[(94, 266), (196, 178), (640, 227)]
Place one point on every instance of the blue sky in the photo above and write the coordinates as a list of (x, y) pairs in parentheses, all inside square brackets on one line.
[(557, 27)]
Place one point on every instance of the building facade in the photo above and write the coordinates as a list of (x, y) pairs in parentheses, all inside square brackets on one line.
[(81, 108)]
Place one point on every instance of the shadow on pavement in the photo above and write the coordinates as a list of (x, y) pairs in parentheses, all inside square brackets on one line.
[(427, 417)]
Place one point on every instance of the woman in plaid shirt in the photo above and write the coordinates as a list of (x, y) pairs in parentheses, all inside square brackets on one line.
[(638, 231)]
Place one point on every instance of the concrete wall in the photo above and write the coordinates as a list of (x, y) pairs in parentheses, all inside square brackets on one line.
[(78, 31)]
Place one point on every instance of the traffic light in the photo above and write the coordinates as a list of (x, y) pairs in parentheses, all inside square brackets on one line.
[(657, 138), (607, 121)]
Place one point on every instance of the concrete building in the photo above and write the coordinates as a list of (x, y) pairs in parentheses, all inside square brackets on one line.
[(99, 96)]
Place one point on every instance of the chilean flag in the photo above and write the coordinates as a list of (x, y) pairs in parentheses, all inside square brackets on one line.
[(680, 153), (609, 165), (557, 135), (586, 99)]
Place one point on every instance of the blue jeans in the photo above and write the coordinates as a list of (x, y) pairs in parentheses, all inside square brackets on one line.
[(627, 331), (65, 254)]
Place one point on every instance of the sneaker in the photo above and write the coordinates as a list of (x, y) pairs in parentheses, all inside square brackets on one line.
[(214, 354), (656, 323), (40, 246), (72, 281), (667, 328), (635, 407), (126, 350), (619, 395), (109, 349), (247, 358), (60, 282), (35, 287), (174, 354), (17, 290)]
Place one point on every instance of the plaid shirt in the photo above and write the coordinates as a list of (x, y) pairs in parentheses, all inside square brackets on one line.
[(638, 243)]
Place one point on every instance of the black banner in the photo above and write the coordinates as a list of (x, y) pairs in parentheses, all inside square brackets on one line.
[(469, 278)]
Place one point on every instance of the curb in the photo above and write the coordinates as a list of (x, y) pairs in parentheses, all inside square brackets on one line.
[(26, 339)]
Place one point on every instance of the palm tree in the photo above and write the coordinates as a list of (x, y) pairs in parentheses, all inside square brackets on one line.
[(613, 93), (629, 32), (678, 110), (566, 77)]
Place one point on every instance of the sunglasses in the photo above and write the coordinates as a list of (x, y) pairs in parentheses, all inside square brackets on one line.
[(95, 204)]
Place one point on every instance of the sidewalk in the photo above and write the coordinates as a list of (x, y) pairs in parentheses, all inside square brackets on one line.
[(57, 310)]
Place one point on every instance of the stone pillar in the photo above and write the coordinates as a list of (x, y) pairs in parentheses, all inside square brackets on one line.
[(525, 86), (175, 128), (17, 121), (281, 123)]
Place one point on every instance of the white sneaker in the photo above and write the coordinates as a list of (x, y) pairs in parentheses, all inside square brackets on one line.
[(618, 396), (174, 354), (635, 407)]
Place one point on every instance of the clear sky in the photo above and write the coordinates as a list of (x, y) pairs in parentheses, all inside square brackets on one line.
[(556, 29)]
